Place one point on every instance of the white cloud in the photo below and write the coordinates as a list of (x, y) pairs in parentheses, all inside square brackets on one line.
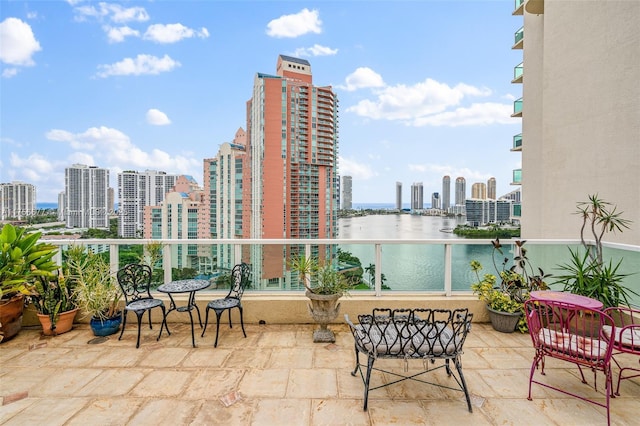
[(157, 117), (18, 43), (33, 168), (481, 114), (118, 34), (362, 78), (454, 172), (110, 11), (357, 170), (172, 33), (9, 72), (141, 65), (290, 26), (315, 50)]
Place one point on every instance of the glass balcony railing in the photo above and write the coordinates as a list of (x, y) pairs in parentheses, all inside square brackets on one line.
[(388, 267), (517, 142), (517, 108), (517, 177), (517, 210), (519, 7), (517, 73), (518, 38)]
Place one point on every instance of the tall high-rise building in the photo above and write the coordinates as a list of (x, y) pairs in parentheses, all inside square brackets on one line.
[(446, 192), (399, 195), (17, 200), (479, 191), (292, 141), (347, 192), (579, 129), (224, 193), (417, 196), (491, 189), (435, 200), (461, 191), (86, 197), (136, 190)]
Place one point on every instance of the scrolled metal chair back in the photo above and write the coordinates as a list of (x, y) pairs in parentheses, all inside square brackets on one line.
[(135, 281), (239, 280)]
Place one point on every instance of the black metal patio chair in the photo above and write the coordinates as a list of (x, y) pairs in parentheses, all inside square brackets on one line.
[(135, 281), (239, 281)]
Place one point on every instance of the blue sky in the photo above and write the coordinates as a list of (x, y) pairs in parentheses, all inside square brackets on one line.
[(424, 86)]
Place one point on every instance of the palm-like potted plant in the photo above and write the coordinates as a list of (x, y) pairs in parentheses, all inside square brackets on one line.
[(505, 302), (22, 260), (587, 273), (324, 287), (96, 290)]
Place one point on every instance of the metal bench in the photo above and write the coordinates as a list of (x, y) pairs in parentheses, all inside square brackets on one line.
[(411, 334)]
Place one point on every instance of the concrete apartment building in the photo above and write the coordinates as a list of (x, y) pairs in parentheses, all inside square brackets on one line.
[(446, 192), (292, 145), (347, 192), (580, 113), (87, 197), (17, 200), (417, 196), (136, 190)]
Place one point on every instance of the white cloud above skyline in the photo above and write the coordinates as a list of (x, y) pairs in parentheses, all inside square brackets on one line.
[(140, 65), (19, 44), (157, 118), (294, 25)]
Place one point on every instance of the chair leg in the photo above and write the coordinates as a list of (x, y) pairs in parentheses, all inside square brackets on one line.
[(241, 321), (458, 365), (124, 323), (230, 325), (367, 380), (218, 314), (164, 323), (150, 327), (139, 315), (206, 321)]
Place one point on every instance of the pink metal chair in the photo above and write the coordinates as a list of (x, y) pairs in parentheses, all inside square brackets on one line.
[(574, 334), (626, 338)]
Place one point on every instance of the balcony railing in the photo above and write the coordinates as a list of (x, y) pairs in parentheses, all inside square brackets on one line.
[(518, 8), (517, 177), (428, 267), (517, 142), (518, 70), (518, 39), (517, 108)]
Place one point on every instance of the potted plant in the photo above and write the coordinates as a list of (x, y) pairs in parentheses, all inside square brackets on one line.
[(505, 302), (587, 273), (96, 290), (55, 304), (22, 260), (324, 287)]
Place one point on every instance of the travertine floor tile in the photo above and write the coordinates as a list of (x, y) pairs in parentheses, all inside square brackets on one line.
[(312, 383), (330, 412), (282, 412), (107, 411), (264, 383), (163, 383)]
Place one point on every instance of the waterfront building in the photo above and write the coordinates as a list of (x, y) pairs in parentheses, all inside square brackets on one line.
[(86, 197), (461, 189), (446, 192), (580, 121), (417, 196), (225, 195), (484, 212), (479, 191), (398, 195), (61, 214), (17, 200), (347, 192), (136, 190), (491, 189), (435, 200), (292, 145)]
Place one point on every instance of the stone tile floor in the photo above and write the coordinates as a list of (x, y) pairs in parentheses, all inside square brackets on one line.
[(277, 376)]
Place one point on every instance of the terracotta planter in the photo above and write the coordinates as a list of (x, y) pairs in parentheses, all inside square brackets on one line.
[(324, 308), (504, 322), (11, 317), (64, 323)]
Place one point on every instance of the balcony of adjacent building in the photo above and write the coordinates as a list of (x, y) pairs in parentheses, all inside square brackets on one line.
[(516, 177), (517, 143), (517, 73), (518, 7), (518, 39), (517, 108), (535, 7)]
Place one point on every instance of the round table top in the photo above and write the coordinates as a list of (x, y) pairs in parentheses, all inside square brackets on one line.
[(565, 297), (184, 286)]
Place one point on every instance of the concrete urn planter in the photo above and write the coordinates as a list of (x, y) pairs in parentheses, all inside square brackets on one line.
[(324, 308)]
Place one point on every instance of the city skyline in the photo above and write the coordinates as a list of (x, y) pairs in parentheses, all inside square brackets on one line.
[(160, 86)]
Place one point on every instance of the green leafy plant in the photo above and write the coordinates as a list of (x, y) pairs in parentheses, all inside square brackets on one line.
[(96, 290), (23, 260), (319, 277), (52, 297), (586, 273)]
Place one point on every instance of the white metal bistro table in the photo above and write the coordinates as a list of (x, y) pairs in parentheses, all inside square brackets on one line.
[(185, 286)]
